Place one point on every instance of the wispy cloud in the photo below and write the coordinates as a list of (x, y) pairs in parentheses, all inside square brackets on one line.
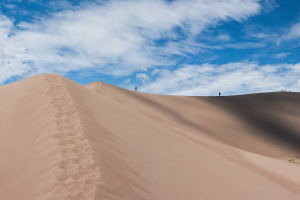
[(142, 77), (281, 55), (229, 79), (223, 37), (10, 6), (294, 32), (269, 5), (113, 37), (245, 45), (263, 34)]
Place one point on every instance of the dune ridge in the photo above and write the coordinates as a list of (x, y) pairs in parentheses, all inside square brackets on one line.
[(76, 168), (62, 140), (73, 174)]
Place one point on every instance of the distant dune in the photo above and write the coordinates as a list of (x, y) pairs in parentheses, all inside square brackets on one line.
[(60, 140)]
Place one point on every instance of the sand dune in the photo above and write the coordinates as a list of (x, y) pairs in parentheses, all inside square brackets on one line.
[(62, 140)]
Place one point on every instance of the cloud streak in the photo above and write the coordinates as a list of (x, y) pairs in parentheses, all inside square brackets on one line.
[(281, 55), (229, 79), (294, 32)]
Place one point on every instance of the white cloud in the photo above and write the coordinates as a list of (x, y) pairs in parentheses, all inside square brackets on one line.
[(115, 37), (264, 34), (223, 37), (142, 77), (155, 71), (297, 85), (10, 53), (269, 5), (5, 27), (229, 79), (294, 31), (127, 81), (281, 55), (245, 45), (10, 6), (259, 35)]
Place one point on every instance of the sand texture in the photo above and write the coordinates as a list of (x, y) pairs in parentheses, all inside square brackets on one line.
[(60, 140)]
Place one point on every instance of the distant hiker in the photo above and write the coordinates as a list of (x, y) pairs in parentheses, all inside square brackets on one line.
[(219, 93), (135, 88)]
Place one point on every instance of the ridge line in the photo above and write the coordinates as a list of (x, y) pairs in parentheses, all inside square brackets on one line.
[(75, 174)]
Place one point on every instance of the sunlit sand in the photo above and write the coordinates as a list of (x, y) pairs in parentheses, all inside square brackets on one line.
[(62, 140)]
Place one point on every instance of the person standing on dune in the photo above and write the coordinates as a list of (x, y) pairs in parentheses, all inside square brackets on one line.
[(135, 88)]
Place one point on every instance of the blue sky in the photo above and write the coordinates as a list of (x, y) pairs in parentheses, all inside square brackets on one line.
[(181, 47)]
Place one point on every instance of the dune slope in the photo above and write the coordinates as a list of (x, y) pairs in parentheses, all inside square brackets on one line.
[(62, 140)]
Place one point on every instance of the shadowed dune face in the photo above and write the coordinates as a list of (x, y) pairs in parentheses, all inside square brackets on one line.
[(62, 140), (275, 116)]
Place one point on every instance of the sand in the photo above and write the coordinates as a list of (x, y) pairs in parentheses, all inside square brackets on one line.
[(62, 140)]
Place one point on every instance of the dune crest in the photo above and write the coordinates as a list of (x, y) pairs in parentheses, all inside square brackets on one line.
[(74, 174), (62, 140)]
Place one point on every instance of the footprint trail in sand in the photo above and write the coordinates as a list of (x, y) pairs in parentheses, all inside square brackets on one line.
[(75, 176)]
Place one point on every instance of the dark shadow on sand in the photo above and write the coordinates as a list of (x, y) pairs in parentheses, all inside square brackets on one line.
[(259, 110)]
